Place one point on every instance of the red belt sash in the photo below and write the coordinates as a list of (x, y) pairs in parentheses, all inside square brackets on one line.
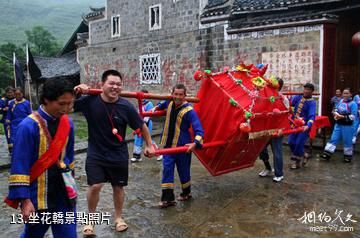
[(50, 157)]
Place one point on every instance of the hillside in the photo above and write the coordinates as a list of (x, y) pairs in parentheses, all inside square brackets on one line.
[(60, 17)]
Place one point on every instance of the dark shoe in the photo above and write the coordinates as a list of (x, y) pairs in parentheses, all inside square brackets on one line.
[(325, 155), (306, 159), (347, 159), (166, 204), (184, 197), (295, 163)]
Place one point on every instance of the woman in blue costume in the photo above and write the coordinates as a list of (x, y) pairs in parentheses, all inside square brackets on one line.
[(19, 108), (138, 140), (4, 107), (344, 115)]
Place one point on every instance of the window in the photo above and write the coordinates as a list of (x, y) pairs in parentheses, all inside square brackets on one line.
[(115, 26), (155, 17), (150, 69)]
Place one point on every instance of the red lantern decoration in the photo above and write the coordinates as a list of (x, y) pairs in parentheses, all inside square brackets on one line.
[(245, 127), (355, 40), (276, 111), (198, 75)]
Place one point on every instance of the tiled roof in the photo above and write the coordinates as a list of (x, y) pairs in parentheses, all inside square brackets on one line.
[(97, 9), (215, 3), (246, 14), (57, 67), (70, 45), (280, 18), (271, 5), (216, 12), (96, 13), (216, 8)]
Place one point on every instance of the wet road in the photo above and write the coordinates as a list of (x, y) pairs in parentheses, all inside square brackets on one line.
[(239, 204)]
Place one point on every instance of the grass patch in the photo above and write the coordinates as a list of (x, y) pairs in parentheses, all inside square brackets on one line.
[(81, 129), (2, 130)]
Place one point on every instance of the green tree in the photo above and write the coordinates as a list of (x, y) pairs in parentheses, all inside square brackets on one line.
[(8, 49), (6, 63), (42, 42), (6, 73)]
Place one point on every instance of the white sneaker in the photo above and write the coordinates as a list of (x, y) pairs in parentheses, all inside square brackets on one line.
[(133, 159), (265, 173), (278, 179), (159, 158)]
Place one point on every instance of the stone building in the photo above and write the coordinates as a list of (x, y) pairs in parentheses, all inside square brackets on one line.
[(158, 43)]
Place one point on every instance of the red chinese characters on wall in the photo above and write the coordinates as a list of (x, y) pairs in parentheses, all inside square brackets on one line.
[(294, 67)]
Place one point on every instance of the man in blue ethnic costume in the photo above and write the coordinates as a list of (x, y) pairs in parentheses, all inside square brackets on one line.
[(19, 108), (4, 107), (179, 118), (305, 108), (41, 178), (344, 114)]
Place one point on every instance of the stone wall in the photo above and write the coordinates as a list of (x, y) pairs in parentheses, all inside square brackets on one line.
[(175, 41), (228, 50)]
